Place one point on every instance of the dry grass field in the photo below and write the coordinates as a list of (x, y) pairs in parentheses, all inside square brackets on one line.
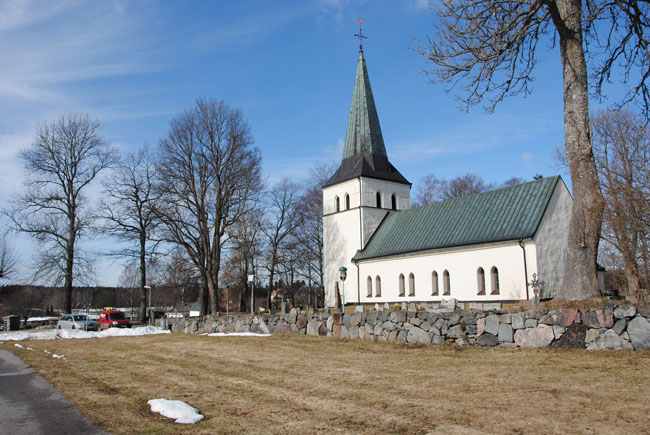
[(302, 384)]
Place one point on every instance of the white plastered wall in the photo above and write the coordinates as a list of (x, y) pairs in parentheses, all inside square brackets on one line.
[(347, 231), (462, 265), (551, 240)]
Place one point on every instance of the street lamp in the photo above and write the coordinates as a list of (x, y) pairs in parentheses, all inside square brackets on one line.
[(251, 281), (148, 287), (343, 273)]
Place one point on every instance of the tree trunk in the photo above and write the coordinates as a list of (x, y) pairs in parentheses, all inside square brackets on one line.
[(143, 280), (580, 276), (69, 266)]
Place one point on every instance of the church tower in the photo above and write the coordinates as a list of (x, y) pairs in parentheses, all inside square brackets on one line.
[(364, 189)]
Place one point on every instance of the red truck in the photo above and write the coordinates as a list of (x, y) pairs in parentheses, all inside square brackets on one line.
[(110, 318)]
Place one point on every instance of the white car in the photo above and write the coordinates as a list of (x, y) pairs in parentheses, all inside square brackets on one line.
[(77, 321)]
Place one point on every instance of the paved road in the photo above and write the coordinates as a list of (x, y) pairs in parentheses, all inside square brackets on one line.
[(30, 405)]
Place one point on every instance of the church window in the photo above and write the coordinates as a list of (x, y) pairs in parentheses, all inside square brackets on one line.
[(377, 286), (338, 204), (480, 278), (378, 200), (411, 285), (347, 201), (495, 281), (369, 293), (401, 284), (446, 284), (393, 201), (434, 283)]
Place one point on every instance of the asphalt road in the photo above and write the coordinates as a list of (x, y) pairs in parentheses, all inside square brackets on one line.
[(30, 405)]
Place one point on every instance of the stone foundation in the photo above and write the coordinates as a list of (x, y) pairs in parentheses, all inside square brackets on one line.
[(609, 327)]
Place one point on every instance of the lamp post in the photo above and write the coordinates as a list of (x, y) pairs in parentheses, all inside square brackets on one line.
[(148, 288), (343, 273), (251, 281)]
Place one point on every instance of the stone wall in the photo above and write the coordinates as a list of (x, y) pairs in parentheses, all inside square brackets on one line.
[(609, 327)]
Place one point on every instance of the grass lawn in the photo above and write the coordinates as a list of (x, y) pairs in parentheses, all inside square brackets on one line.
[(303, 384)]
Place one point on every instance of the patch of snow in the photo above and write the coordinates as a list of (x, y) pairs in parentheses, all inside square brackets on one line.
[(180, 411), (237, 334), (58, 356), (29, 348), (41, 319), (19, 345), (55, 334), (47, 351)]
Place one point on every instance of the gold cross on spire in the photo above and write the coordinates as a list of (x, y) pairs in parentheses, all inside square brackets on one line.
[(360, 35)]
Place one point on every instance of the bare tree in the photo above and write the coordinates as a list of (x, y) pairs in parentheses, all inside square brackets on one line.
[(622, 149), (64, 159), (209, 174), (309, 230), (490, 49), (7, 260), (432, 189), (129, 211), (247, 245), (281, 217)]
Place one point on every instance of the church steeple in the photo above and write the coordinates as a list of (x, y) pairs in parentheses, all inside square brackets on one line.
[(364, 154), (364, 131)]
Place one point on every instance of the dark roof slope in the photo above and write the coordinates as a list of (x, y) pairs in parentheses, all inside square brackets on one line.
[(510, 213), (366, 165)]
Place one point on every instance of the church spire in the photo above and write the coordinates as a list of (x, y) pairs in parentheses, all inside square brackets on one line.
[(364, 132)]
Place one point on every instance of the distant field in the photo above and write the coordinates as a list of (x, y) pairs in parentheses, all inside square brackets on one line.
[(302, 384)]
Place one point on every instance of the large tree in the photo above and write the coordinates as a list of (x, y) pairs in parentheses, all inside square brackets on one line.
[(65, 157), (489, 48), (209, 176), (128, 211), (622, 149)]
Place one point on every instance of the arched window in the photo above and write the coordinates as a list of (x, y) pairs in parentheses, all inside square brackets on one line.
[(378, 200), (338, 204), (347, 201), (434, 283), (377, 286), (495, 281), (411, 285), (446, 284), (401, 284), (480, 281), (369, 292), (393, 202)]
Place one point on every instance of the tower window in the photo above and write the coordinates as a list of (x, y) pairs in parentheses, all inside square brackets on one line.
[(393, 201), (377, 286), (434, 283), (401, 284), (347, 201), (369, 292), (411, 285), (495, 280), (480, 281), (338, 203), (446, 284), (378, 200)]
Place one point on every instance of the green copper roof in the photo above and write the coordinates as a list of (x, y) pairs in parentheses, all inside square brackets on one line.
[(511, 213), (364, 132)]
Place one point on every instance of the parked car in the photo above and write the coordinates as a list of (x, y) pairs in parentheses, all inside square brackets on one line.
[(77, 321), (113, 319)]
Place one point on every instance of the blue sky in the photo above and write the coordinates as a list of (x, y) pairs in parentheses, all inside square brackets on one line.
[(289, 65)]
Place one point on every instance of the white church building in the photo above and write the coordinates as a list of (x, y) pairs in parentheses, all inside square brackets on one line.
[(479, 248)]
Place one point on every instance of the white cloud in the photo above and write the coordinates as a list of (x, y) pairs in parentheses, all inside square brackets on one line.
[(527, 157)]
